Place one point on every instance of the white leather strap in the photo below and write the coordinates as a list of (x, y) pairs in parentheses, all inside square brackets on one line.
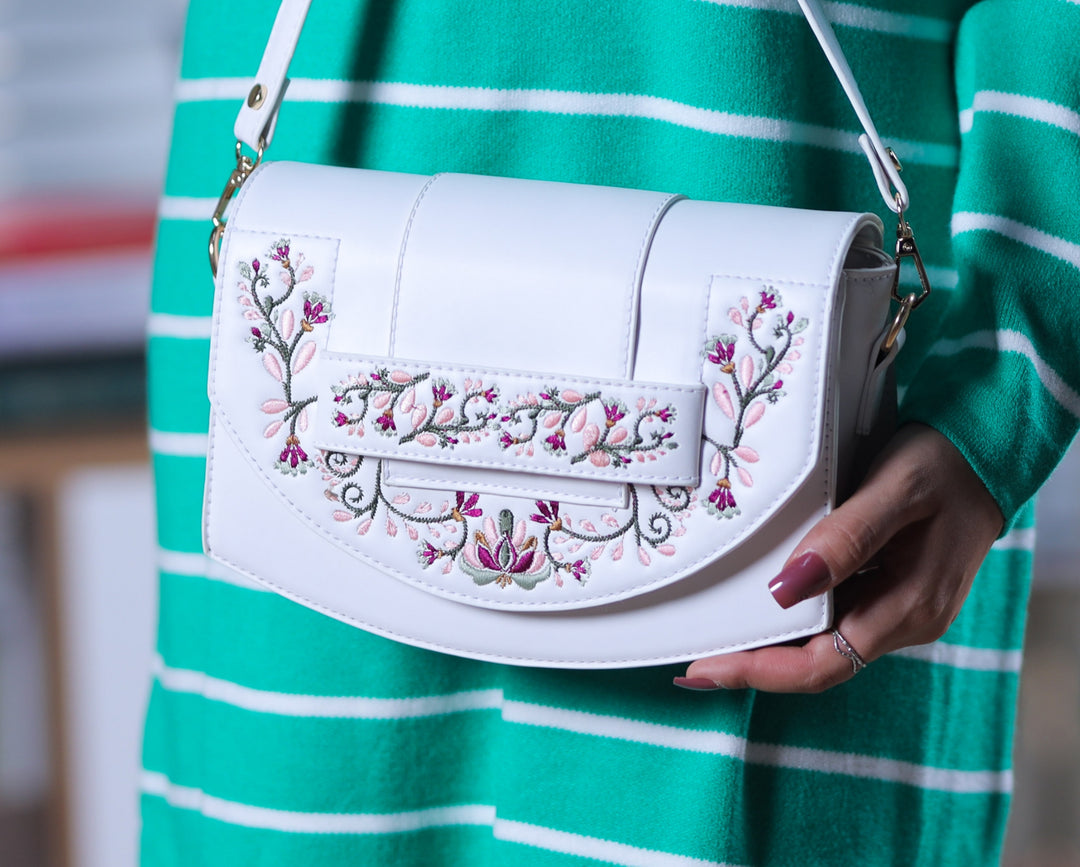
[(255, 123), (885, 171)]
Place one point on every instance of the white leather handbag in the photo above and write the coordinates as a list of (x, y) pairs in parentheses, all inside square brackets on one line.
[(539, 423)]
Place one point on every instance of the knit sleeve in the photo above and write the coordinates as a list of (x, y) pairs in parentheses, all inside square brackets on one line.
[(1002, 379)]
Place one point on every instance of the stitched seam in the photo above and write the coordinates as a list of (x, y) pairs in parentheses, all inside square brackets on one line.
[(401, 259), (638, 278)]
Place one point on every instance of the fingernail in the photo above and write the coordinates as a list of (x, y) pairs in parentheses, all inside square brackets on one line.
[(808, 576), (699, 684)]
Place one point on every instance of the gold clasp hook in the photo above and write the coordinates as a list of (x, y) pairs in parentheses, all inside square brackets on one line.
[(245, 165), (906, 248)]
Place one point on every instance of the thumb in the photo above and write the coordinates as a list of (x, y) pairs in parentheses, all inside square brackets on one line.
[(837, 546)]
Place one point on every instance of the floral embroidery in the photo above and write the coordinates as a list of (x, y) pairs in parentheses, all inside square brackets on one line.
[(503, 551), (549, 540), (438, 412), (752, 384), (504, 555), (285, 351), (614, 442), (450, 419)]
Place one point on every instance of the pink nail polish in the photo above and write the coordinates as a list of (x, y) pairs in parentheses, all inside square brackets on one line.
[(699, 684), (808, 576)]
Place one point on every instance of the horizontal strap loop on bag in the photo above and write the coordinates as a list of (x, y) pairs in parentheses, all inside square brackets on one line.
[(550, 424)]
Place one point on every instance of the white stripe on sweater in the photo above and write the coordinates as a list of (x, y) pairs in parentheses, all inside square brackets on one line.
[(1059, 248), (235, 813), (178, 326), (1018, 105), (607, 851), (1014, 341), (179, 445), (190, 798), (191, 682), (581, 722), (957, 656), (427, 96), (200, 566), (860, 18), (187, 208), (623, 729), (797, 758), (1020, 539), (876, 768)]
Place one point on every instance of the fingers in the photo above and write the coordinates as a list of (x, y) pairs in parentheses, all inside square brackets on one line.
[(846, 540), (925, 520), (811, 668)]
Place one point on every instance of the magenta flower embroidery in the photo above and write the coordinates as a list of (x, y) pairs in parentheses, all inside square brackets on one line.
[(723, 353), (440, 393), (341, 419), (465, 507), (281, 253), (579, 569), (768, 301), (429, 554), (386, 421), (548, 513), (315, 313), (505, 555), (613, 413), (722, 500), (557, 441), (293, 459)]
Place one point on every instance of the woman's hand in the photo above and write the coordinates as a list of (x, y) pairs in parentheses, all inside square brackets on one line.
[(924, 521)]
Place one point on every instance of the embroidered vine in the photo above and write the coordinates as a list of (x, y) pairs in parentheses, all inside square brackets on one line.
[(524, 546), (452, 417), (285, 347), (753, 384), (613, 442), (438, 412), (505, 549)]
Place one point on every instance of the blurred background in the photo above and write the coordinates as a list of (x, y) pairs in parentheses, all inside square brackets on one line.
[(85, 107)]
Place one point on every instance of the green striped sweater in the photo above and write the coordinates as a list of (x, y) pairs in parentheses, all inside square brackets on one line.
[(276, 736)]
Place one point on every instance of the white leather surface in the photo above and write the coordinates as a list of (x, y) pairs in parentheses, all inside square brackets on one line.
[(743, 300)]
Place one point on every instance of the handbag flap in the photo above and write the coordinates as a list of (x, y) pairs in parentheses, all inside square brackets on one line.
[(525, 395)]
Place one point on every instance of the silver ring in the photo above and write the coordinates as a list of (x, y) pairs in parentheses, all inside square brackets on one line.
[(844, 648)]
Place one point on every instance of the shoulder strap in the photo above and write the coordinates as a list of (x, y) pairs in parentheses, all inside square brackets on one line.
[(258, 115)]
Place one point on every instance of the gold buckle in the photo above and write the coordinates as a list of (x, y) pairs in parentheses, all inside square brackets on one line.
[(245, 165)]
